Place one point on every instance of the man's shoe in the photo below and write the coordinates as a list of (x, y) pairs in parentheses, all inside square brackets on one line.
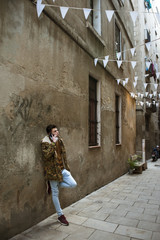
[(63, 220)]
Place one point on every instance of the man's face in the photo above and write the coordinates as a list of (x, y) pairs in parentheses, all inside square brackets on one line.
[(55, 132)]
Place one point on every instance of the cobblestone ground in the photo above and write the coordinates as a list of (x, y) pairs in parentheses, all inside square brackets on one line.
[(126, 209)]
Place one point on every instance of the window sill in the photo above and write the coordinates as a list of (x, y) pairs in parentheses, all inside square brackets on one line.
[(118, 144), (91, 28), (93, 147)]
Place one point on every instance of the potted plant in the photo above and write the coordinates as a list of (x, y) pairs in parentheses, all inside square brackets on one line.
[(131, 164)]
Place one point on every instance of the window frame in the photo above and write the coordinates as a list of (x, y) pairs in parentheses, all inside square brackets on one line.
[(96, 142), (118, 121), (120, 40), (95, 16)]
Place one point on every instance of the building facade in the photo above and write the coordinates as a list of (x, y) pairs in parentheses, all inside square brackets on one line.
[(56, 69), (147, 37)]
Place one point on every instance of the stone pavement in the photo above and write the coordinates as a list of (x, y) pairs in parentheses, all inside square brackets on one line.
[(126, 209)]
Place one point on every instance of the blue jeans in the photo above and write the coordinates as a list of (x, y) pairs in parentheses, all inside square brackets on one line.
[(68, 182)]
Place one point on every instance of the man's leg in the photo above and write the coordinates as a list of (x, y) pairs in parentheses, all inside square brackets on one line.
[(55, 197), (68, 180)]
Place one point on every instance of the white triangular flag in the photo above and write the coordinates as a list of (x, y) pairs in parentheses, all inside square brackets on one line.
[(119, 55), (118, 81), (157, 74), (139, 94), (157, 104), (105, 61), (156, 85), (95, 61), (149, 104), (153, 102), (150, 95), (53, 1), (106, 58), (136, 78), (109, 14), (142, 103), (146, 94), (119, 63), (40, 7), (148, 64), (134, 84), (132, 94), (86, 12), (134, 15), (145, 85), (155, 93), (124, 83), (148, 45), (126, 80), (133, 64), (132, 51), (159, 95), (142, 95), (63, 11)]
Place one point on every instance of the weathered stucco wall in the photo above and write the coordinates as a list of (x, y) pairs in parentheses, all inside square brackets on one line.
[(44, 78)]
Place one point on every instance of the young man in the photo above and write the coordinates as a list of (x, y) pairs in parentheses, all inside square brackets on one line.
[(56, 168)]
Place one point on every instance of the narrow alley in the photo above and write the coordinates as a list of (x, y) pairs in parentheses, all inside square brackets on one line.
[(126, 209)]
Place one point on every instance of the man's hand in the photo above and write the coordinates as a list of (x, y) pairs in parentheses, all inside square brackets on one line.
[(54, 138)]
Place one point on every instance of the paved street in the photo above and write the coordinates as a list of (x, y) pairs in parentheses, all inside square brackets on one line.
[(126, 209)]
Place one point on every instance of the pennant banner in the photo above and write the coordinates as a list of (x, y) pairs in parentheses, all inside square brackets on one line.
[(40, 7), (95, 61), (133, 63), (86, 12), (109, 14), (156, 85), (145, 85), (148, 45), (63, 11), (119, 55), (134, 84), (126, 80), (157, 74), (119, 63), (136, 78), (118, 81), (132, 51), (105, 62), (146, 94), (154, 93), (134, 16)]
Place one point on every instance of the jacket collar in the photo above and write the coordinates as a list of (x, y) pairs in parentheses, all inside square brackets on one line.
[(46, 139)]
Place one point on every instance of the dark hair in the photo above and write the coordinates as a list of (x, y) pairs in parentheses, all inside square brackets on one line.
[(49, 128)]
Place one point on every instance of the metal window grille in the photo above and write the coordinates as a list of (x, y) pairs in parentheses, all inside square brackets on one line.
[(117, 121), (92, 112), (117, 38)]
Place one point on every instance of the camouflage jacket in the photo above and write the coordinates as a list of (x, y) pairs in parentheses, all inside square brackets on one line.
[(52, 170)]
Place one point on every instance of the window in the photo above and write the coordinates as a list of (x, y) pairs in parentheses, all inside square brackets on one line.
[(147, 36), (117, 39), (124, 50), (118, 119), (94, 112), (121, 2), (95, 15)]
